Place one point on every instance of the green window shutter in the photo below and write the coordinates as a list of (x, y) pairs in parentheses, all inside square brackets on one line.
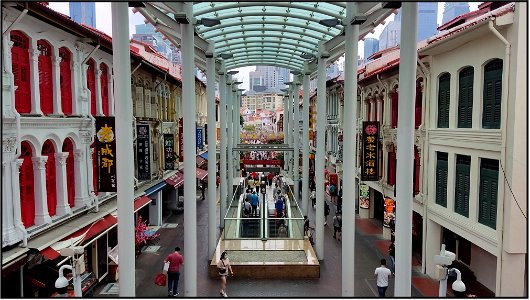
[(489, 176), (462, 185), (443, 100), (465, 98), (491, 108), (441, 179)]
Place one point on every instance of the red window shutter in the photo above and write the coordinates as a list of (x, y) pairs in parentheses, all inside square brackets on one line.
[(20, 62), (417, 106), (70, 175), (382, 108), (45, 77), (391, 168), (394, 120), (51, 191), (416, 171), (66, 81), (368, 111), (27, 195), (95, 170), (91, 84), (104, 89)]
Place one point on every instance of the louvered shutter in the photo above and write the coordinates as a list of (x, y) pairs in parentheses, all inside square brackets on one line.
[(491, 113), (462, 185), (394, 96), (391, 168), (91, 84), (27, 195), (51, 191), (70, 176), (465, 98), (139, 101), (417, 106), (488, 193), (20, 66), (441, 179), (66, 81), (443, 100), (45, 77)]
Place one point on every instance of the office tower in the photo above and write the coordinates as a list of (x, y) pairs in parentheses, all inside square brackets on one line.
[(371, 46), (83, 13), (146, 33), (267, 77), (453, 10), (332, 71)]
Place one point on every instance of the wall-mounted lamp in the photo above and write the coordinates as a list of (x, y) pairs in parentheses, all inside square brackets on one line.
[(330, 22), (208, 22)]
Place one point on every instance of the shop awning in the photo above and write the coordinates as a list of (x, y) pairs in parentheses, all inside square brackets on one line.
[(201, 174), (204, 155), (141, 202), (155, 188), (176, 180), (82, 236), (200, 161)]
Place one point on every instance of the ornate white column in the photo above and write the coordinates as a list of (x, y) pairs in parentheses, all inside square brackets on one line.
[(63, 208), (77, 83), (8, 196), (83, 170), (99, 101), (380, 116), (111, 92), (17, 214), (34, 78), (56, 81), (41, 198)]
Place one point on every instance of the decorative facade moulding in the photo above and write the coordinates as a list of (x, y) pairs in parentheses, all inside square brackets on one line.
[(60, 157), (9, 144), (86, 136), (39, 162)]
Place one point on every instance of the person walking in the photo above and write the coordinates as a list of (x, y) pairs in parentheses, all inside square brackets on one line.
[(392, 253), (254, 202), (382, 273), (337, 225), (326, 213), (175, 259), (224, 267)]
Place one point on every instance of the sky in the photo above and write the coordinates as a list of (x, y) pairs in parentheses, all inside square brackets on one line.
[(105, 24)]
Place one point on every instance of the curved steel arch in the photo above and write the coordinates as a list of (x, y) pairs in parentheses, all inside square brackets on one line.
[(264, 14), (267, 56), (263, 63), (228, 47), (268, 47), (276, 4), (239, 30), (296, 64), (320, 29), (269, 36)]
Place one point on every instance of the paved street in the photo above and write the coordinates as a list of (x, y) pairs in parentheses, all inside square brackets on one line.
[(328, 285)]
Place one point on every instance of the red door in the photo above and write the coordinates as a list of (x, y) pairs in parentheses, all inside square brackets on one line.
[(70, 176), (27, 195), (45, 77), (21, 71), (49, 151), (104, 89), (66, 80), (91, 84)]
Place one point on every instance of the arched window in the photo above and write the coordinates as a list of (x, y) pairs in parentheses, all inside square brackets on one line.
[(51, 191), (91, 84), (465, 98), (66, 80), (104, 88), (45, 77), (491, 107), (21, 71), (394, 116), (27, 194), (443, 100), (418, 104), (70, 175)]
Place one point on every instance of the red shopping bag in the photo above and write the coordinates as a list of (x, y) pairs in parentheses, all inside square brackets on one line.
[(160, 279)]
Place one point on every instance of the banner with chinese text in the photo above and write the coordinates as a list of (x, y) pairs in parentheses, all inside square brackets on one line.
[(370, 144), (143, 152), (106, 154), (181, 140), (198, 132), (169, 152)]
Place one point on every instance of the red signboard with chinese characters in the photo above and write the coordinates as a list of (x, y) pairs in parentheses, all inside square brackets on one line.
[(370, 144), (106, 154)]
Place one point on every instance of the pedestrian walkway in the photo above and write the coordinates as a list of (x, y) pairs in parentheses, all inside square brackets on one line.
[(369, 248)]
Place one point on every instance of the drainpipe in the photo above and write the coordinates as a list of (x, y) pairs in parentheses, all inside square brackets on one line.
[(22, 14), (506, 74)]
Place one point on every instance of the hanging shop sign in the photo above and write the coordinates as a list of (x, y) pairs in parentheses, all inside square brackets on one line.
[(389, 215), (181, 141), (370, 151), (143, 152), (169, 152), (198, 132), (106, 154), (364, 196)]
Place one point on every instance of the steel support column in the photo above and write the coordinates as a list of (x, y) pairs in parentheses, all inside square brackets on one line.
[(235, 125), (405, 144), (350, 151), (230, 168), (223, 144), (319, 164), (121, 61), (305, 146), (212, 201), (296, 137), (285, 131), (190, 187)]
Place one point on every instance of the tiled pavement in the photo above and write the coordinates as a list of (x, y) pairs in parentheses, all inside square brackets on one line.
[(369, 249)]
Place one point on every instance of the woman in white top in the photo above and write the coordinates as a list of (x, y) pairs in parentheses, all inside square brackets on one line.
[(224, 267)]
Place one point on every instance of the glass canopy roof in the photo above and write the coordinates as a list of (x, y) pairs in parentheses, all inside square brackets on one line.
[(263, 33)]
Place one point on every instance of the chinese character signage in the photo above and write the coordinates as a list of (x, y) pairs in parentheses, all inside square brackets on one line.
[(370, 144), (389, 214), (198, 132), (181, 141), (364, 196), (106, 154), (143, 152), (169, 152)]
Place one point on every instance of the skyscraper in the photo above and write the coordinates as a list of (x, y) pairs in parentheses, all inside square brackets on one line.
[(83, 13), (146, 33), (453, 10), (371, 46), (268, 77)]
